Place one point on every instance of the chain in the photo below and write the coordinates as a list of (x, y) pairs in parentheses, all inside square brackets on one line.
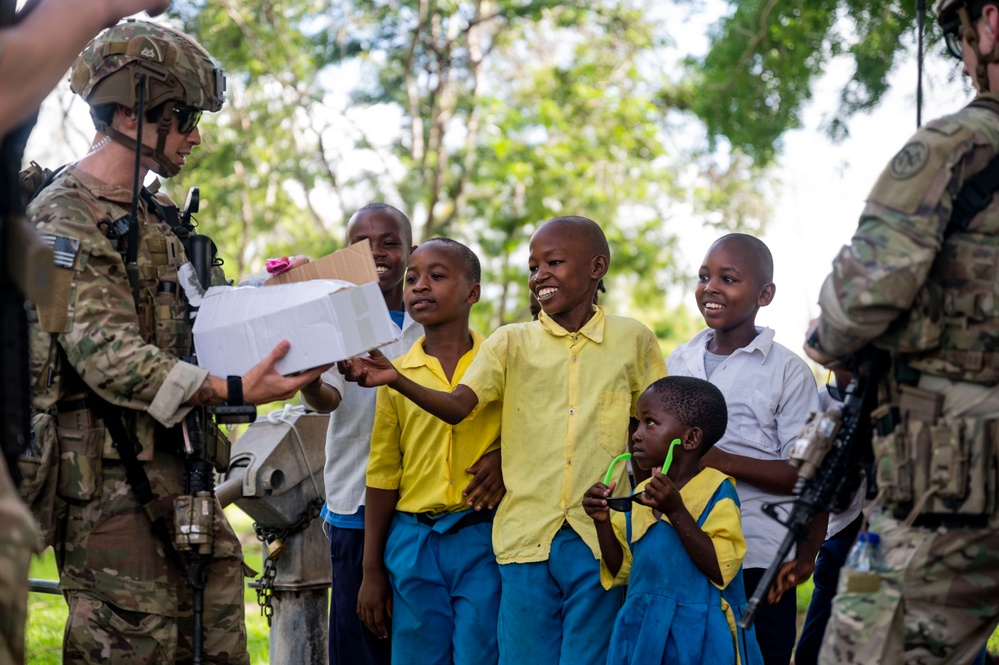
[(266, 589), (273, 539)]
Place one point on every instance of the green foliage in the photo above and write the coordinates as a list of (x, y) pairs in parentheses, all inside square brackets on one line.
[(500, 114), (767, 54)]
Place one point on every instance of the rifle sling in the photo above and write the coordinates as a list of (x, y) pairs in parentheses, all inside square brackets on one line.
[(136, 475), (977, 192)]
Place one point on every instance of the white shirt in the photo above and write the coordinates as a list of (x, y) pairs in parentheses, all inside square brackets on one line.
[(348, 438), (769, 392), (839, 521)]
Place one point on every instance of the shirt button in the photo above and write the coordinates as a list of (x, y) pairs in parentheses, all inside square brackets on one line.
[(568, 462), (572, 411), (574, 359), (565, 512)]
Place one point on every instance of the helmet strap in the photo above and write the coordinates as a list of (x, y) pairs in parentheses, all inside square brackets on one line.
[(167, 169), (983, 60)]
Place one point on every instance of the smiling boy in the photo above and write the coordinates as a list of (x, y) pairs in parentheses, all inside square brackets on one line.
[(420, 534), (348, 437), (569, 383), (770, 393)]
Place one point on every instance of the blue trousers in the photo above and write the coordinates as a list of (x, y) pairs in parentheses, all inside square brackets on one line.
[(832, 556), (445, 594), (350, 643), (556, 611)]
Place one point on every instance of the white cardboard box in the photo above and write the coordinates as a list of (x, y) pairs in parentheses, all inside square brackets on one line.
[(330, 309)]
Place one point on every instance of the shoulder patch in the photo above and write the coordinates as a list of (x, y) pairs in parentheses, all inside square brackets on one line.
[(910, 160), (64, 250)]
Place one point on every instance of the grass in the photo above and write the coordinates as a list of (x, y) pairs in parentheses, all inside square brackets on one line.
[(47, 613)]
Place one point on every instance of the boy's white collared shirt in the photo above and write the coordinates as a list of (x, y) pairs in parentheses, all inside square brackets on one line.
[(769, 392)]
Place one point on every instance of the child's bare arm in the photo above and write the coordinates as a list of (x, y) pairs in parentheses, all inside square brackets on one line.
[(596, 507), (377, 370), (321, 396), (774, 475), (374, 600), (663, 495)]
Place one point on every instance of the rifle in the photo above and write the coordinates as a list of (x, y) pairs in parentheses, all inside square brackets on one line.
[(830, 453), (205, 446)]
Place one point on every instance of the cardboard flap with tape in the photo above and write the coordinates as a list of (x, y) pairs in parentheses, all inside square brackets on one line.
[(329, 309)]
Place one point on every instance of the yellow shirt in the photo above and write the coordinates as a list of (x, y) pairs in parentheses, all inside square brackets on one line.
[(723, 525), (420, 455), (567, 401)]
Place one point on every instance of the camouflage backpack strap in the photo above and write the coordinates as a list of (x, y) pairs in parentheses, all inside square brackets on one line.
[(978, 190)]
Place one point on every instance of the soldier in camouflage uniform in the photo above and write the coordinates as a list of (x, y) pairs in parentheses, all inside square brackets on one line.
[(93, 342), (921, 280)]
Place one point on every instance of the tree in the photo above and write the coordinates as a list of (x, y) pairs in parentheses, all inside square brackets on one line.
[(766, 55), (499, 114)]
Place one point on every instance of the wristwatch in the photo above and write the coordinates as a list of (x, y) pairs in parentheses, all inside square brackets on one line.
[(235, 385), (235, 410)]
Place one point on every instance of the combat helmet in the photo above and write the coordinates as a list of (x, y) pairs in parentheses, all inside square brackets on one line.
[(177, 69), (957, 23)]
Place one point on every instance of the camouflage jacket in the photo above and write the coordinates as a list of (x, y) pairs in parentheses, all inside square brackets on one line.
[(907, 282), (88, 331)]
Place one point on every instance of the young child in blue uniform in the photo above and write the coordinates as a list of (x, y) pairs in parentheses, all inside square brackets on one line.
[(680, 550), (420, 534)]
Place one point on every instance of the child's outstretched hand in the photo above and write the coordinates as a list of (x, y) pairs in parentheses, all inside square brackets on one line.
[(373, 370), (662, 494), (594, 501)]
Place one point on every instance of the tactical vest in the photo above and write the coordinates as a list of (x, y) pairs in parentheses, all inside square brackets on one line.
[(930, 468), (952, 329), (163, 321)]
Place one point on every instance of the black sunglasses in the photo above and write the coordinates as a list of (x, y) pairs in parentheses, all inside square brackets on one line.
[(623, 503), (188, 118)]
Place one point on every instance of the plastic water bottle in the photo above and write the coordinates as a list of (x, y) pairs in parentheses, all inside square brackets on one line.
[(865, 557)]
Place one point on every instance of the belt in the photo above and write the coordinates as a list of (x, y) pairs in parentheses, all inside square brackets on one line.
[(471, 518), (70, 405)]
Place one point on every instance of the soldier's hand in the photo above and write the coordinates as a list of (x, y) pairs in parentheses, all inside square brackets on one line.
[(263, 383), (813, 352)]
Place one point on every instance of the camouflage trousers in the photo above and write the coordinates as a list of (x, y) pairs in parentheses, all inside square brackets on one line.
[(127, 601), (18, 541), (937, 600)]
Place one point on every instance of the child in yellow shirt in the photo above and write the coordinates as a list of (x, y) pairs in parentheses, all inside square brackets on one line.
[(428, 559)]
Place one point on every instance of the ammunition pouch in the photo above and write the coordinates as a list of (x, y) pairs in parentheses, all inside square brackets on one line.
[(932, 469), (39, 473)]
